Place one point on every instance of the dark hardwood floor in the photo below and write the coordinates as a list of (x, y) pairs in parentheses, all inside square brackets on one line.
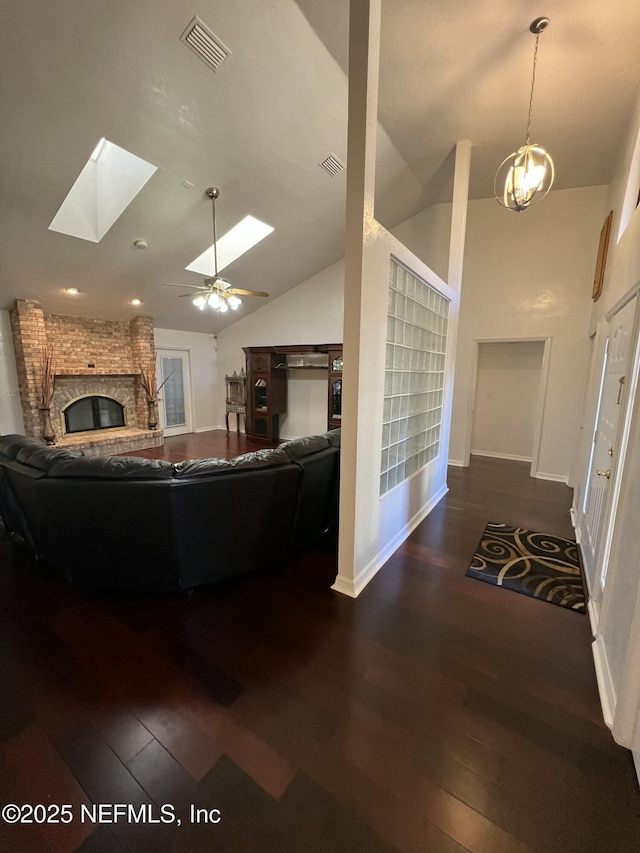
[(434, 714), (198, 445)]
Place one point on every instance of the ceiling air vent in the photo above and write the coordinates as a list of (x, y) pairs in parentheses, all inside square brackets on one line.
[(199, 38), (332, 165)]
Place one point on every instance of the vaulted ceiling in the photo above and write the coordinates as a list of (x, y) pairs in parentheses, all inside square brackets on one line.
[(74, 72)]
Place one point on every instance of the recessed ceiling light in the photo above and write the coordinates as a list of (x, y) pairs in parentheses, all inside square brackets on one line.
[(135, 301), (242, 237), (141, 244), (72, 291)]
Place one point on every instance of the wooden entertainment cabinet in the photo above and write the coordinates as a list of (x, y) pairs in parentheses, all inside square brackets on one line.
[(267, 371)]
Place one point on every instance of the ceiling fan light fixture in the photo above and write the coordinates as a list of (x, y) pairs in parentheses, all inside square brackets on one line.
[(525, 176), (216, 292)]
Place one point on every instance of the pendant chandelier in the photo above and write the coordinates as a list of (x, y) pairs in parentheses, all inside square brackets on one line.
[(525, 177)]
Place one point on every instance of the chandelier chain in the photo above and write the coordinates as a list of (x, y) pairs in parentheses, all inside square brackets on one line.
[(533, 83)]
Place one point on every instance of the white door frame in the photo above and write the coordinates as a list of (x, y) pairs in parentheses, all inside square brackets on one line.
[(620, 696), (188, 385), (540, 403), (624, 427)]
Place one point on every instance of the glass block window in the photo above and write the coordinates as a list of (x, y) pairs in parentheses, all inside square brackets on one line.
[(417, 320)]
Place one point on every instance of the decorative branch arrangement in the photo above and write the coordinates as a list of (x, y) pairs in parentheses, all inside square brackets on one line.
[(48, 378), (47, 387), (147, 378)]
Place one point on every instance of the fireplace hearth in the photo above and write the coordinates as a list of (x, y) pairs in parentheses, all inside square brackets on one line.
[(98, 403), (95, 404), (93, 413), (114, 396)]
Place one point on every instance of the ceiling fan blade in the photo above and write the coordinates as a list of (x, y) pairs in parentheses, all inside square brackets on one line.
[(172, 284), (237, 291)]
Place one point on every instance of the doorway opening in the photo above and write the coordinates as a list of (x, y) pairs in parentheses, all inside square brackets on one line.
[(508, 402), (174, 402)]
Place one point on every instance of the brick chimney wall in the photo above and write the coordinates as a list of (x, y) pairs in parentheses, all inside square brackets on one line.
[(82, 347)]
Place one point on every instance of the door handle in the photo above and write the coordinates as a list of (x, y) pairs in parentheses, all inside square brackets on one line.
[(606, 474)]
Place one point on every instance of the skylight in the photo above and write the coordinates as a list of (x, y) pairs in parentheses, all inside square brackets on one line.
[(242, 237), (108, 183)]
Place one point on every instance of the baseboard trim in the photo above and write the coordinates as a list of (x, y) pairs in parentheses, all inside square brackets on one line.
[(593, 610), (457, 463), (555, 478), (353, 587), (636, 761), (345, 587), (605, 682), (510, 456)]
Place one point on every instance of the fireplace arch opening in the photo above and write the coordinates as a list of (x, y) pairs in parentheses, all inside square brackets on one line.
[(93, 412)]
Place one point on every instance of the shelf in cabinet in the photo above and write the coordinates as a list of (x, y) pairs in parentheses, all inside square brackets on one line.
[(305, 367)]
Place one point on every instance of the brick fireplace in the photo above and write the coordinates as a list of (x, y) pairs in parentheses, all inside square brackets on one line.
[(92, 358)]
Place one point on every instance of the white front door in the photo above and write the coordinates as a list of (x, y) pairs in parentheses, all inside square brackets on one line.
[(174, 399), (605, 451)]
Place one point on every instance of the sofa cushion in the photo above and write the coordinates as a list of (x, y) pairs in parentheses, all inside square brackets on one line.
[(42, 457), (264, 458), (269, 456), (10, 445), (299, 447), (201, 467), (333, 437), (112, 468)]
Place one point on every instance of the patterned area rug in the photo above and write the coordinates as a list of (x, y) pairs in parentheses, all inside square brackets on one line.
[(535, 564)]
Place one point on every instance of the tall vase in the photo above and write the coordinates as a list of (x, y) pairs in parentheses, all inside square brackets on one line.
[(152, 422), (48, 433)]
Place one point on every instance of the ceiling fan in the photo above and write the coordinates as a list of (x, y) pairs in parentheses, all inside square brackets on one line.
[(216, 292)]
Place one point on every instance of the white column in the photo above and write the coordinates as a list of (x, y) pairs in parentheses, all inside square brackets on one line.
[(364, 49), (461, 174), (462, 171)]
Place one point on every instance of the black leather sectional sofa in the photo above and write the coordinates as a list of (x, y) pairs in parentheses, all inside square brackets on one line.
[(125, 522)]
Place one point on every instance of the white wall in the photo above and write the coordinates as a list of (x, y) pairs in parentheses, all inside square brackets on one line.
[(506, 396), (205, 377), (427, 235), (311, 313), (529, 275), (375, 525), (10, 410)]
